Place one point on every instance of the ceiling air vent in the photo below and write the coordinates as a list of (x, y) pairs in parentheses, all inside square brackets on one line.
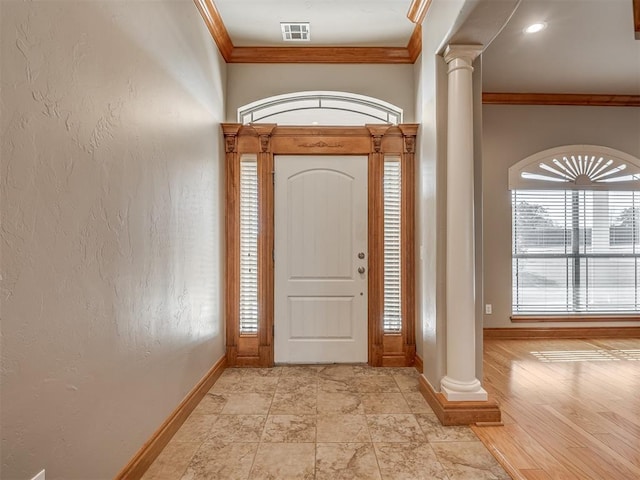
[(295, 32)]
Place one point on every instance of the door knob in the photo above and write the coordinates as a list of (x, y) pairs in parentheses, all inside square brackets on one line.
[(360, 269)]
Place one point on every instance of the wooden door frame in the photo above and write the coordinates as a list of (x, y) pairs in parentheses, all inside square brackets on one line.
[(267, 140)]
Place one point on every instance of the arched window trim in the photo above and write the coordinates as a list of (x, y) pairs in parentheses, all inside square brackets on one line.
[(369, 107), (576, 167)]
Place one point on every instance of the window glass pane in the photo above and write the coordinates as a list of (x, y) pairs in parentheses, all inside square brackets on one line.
[(248, 246), (580, 245), (392, 316)]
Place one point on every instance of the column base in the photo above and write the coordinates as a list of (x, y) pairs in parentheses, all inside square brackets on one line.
[(460, 412), (453, 396), (456, 391)]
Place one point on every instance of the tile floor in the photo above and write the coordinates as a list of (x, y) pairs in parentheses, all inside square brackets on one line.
[(329, 422)]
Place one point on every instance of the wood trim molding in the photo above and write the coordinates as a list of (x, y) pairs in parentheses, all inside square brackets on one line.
[(418, 364), (355, 55), (267, 140), (574, 319), (459, 413), (232, 238), (216, 27), (144, 457), (573, 99), (418, 10), (414, 47), (562, 332), (636, 18)]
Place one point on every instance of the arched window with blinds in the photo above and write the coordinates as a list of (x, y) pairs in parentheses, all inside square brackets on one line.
[(576, 233)]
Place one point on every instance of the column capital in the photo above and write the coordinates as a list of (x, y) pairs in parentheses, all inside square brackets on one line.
[(467, 53)]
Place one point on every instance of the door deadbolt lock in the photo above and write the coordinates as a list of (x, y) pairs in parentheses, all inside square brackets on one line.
[(360, 269), (361, 255)]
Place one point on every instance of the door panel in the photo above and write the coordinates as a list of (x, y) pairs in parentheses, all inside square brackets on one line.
[(320, 228)]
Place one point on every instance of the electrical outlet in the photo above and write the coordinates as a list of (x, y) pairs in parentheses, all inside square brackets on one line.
[(488, 309)]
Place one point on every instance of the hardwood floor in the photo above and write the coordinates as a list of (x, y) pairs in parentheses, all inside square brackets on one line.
[(571, 408)]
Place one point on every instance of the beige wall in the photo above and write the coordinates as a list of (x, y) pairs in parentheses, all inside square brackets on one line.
[(431, 106), (251, 82), (512, 133), (111, 227)]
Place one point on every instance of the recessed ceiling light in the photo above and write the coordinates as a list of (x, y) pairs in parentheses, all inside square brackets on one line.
[(535, 27), (295, 32)]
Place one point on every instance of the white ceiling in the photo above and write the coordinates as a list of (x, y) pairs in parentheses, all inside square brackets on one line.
[(333, 22), (587, 47)]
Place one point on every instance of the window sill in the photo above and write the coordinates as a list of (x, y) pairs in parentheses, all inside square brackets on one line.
[(573, 318)]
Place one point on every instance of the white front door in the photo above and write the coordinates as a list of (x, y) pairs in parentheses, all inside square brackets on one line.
[(320, 245)]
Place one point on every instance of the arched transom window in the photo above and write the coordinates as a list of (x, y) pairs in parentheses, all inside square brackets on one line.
[(320, 108)]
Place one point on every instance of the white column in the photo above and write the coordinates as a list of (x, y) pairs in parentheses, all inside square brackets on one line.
[(460, 383)]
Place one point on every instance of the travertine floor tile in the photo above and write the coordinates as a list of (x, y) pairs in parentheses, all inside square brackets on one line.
[(172, 462), (409, 461), (337, 385), (376, 384), (301, 371), (342, 461), (290, 429), (296, 403), (343, 403), (320, 422), (468, 461), (416, 402), (435, 432), (247, 403), (297, 385), (342, 428), (221, 461), (210, 404), (407, 383), (195, 429), (338, 372), (245, 384), (284, 461), (384, 403), (395, 428), (238, 428)]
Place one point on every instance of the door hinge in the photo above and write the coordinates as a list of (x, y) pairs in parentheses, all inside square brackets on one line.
[(273, 255), (273, 330), (273, 177)]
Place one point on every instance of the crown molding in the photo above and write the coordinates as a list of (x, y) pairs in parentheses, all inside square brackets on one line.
[(576, 99), (418, 10), (320, 55), (214, 23), (636, 18), (414, 47), (353, 55)]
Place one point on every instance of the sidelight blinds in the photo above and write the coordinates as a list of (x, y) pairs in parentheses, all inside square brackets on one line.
[(576, 251), (392, 316), (248, 246)]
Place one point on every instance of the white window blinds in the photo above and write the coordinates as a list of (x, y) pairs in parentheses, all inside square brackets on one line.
[(392, 189), (248, 246), (576, 251)]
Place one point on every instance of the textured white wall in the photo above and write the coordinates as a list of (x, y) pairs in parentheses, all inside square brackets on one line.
[(111, 203), (512, 133)]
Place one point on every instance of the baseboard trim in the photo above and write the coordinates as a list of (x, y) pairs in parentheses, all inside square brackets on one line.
[(459, 413), (562, 332), (142, 460), (419, 365)]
